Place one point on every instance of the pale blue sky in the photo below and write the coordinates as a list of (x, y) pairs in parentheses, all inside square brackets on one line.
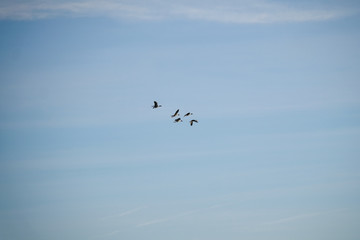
[(274, 86)]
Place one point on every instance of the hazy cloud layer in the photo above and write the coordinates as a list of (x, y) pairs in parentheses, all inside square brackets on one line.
[(227, 11)]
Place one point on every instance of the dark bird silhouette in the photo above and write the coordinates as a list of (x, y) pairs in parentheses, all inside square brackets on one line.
[(176, 113), (188, 114), (192, 121), (156, 105), (178, 120)]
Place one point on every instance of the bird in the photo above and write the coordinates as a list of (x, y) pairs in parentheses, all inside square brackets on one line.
[(188, 114), (156, 105), (178, 120), (192, 121), (176, 113)]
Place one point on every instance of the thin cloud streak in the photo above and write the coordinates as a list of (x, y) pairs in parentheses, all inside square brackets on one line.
[(293, 218), (166, 219), (302, 216), (180, 215), (31, 11), (262, 15), (241, 12), (270, 225), (128, 212)]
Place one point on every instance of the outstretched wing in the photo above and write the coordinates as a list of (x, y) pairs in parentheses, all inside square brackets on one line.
[(155, 104), (175, 114), (192, 121)]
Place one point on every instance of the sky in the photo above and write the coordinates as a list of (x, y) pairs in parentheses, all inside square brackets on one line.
[(274, 86)]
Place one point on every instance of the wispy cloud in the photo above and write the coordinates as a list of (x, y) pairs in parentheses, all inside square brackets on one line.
[(122, 214), (284, 222), (50, 9), (151, 222), (183, 214), (259, 13), (112, 233), (155, 221), (293, 218), (302, 216), (115, 216), (256, 11)]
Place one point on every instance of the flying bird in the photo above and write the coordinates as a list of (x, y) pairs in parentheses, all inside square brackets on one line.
[(178, 120), (156, 105), (176, 113), (192, 121), (188, 114)]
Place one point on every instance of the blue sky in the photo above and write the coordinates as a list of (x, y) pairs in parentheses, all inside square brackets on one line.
[(273, 84)]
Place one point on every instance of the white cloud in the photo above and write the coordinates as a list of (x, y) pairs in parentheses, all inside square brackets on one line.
[(256, 11)]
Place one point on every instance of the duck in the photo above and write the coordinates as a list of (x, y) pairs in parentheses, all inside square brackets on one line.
[(176, 113), (188, 114), (178, 120), (192, 121), (156, 105)]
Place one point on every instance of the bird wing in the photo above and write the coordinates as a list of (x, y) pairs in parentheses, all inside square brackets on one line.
[(177, 111), (192, 121), (155, 104)]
